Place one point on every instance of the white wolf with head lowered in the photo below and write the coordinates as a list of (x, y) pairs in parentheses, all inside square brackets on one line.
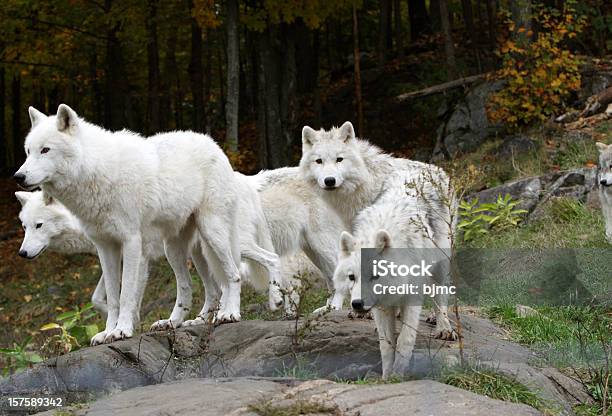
[(120, 186), (605, 185), (395, 220), (349, 174)]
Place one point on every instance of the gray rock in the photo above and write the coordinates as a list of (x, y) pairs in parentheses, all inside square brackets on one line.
[(213, 397), (468, 125), (528, 191), (336, 348), (515, 145)]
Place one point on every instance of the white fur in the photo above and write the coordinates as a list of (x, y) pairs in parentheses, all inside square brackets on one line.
[(396, 220), (605, 185), (120, 186), (362, 172)]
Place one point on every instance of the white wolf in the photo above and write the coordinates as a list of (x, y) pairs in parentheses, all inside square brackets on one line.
[(349, 174), (49, 225), (605, 184), (395, 220), (121, 186)]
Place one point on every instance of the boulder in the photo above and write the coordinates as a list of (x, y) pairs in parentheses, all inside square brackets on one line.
[(467, 125), (235, 396), (336, 347)]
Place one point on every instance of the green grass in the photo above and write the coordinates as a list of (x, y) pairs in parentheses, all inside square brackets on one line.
[(297, 408), (567, 336), (496, 386)]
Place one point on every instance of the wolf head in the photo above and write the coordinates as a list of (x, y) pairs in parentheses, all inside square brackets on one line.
[(51, 147), (42, 219), (348, 276), (330, 158), (605, 164)]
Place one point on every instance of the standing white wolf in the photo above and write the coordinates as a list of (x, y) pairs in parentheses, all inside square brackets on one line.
[(396, 220), (349, 174), (49, 225), (120, 186), (605, 185)]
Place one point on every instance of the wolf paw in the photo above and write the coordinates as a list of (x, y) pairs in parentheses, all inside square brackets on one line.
[(164, 325), (446, 334), (98, 339), (227, 317), (118, 334), (199, 320)]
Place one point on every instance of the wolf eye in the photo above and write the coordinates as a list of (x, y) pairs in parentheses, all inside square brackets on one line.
[(319, 161), (340, 159), (352, 277), (38, 225), (44, 150), (24, 227)]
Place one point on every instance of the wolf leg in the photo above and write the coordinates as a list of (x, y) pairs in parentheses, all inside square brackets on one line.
[(409, 322), (110, 261), (385, 326), (211, 289), (98, 299), (220, 240), (176, 249), (132, 283)]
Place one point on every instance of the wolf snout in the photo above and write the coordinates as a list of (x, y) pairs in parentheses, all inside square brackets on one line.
[(330, 181), (604, 182), (23, 253), (19, 178)]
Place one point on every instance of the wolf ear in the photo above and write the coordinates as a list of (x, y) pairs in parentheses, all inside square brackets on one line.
[(347, 132), (382, 241), (35, 116), (23, 197), (309, 137), (347, 244), (601, 146), (66, 118)]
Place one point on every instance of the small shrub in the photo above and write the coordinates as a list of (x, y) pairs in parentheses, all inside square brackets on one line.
[(540, 73), (477, 219), (75, 330), (19, 357)]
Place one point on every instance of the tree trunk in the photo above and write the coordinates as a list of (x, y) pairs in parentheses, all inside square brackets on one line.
[(419, 19), (207, 80), (434, 13), (492, 20), (273, 152), (196, 76), (3, 143), (96, 90), (117, 107), (288, 86), (468, 19), (449, 48), (233, 75), (382, 32), (356, 59), (18, 153), (153, 124), (399, 35)]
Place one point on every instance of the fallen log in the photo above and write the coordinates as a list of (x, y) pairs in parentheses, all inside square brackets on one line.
[(597, 103), (440, 88)]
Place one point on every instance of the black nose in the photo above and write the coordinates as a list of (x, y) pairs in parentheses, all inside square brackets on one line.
[(357, 304), (603, 182), (330, 181), (23, 253), (19, 177)]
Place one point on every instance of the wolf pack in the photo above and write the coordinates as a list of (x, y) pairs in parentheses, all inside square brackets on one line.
[(131, 200)]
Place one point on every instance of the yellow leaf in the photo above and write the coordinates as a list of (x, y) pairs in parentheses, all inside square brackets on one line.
[(47, 327), (27, 298)]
